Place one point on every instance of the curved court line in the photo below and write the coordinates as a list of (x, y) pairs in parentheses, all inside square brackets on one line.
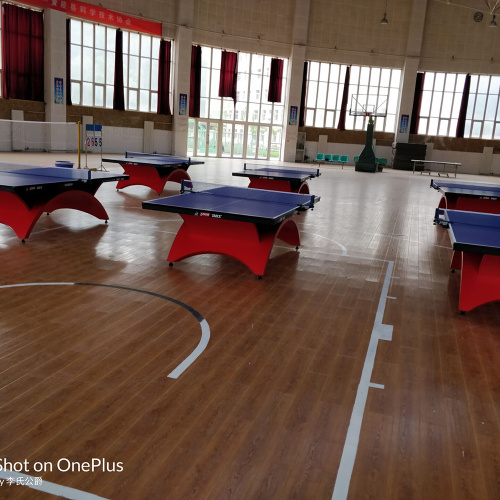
[(205, 329), (48, 487)]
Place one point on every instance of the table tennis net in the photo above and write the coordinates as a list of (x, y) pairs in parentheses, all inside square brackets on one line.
[(156, 156), (247, 193)]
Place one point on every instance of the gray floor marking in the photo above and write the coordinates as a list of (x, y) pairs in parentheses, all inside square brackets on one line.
[(379, 332)]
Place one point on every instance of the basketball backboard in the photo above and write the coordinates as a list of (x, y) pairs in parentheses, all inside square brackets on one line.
[(368, 105)]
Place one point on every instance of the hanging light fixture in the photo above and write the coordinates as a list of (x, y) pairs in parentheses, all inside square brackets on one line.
[(493, 23), (384, 19)]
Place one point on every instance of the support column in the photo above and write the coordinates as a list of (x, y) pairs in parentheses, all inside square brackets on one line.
[(55, 67)]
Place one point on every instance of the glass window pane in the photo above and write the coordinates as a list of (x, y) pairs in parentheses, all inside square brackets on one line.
[(313, 71), (495, 85), (457, 102), (205, 82), (480, 107), (263, 142), (75, 93), (433, 126), (255, 88), (476, 130), (392, 102), (110, 69), (144, 100), (353, 77), (145, 73), (447, 104), (329, 120), (390, 123), (257, 63), (125, 43), (145, 46), (242, 87), (349, 122), (239, 131), (216, 58), (364, 78), (309, 117), (155, 49), (321, 103), (253, 112), (473, 83), (497, 131), (375, 77), (240, 112), (491, 107), (484, 81), (133, 72), (453, 127), (278, 114), (111, 39), (227, 109), (100, 37), (266, 113), (206, 54), (214, 90), (109, 96), (276, 141), (320, 118), (436, 103), (422, 126), (243, 63), (252, 141), (154, 74), (204, 107), (76, 62), (332, 96), (443, 127), (99, 96), (88, 64), (99, 66), (323, 72), (134, 44), (311, 94), (334, 72), (428, 81), (76, 31), (396, 78), (87, 94), (265, 88), (267, 66), (88, 34), (385, 78), (450, 82), (132, 100), (359, 123), (154, 101), (439, 82), (488, 130), (468, 124), (215, 108)]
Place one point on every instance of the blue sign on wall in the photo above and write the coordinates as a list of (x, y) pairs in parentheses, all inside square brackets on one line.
[(293, 115), (58, 91), (403, 127), (183, 104)]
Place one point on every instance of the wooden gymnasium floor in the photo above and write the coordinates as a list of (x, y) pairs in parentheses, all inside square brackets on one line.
[(264, 411)]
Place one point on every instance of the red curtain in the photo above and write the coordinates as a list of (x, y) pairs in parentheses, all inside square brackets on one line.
[(417, 103), (68, 62), (275, 80), (22, 53), (164, 78), (463, 107), (228, 74), (195, 87), (119, 92), (302, 111), (345, 98)]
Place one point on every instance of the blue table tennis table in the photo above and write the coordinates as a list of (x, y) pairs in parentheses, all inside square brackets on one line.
[(278, 178), (475, 239), (26, 193), (153, 170), (470, 197), (242, 223)]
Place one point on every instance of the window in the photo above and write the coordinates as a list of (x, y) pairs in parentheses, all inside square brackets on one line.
[(93, 67), (325, 87), (440, 104), (483, 108)]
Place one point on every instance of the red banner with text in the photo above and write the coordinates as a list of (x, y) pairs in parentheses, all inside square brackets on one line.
[(99, 14)]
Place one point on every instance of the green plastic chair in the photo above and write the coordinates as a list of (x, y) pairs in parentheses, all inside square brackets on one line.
[(320, 157), (328, 157), (336, 158), (344, 159), (356, 158), (382, 161)]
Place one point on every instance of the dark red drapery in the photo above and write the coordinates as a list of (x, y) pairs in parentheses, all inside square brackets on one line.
[(68, 62), (164, 78), (345, 98), (119, 92), (302, 110), (228, 74), (195, 87), (463, 107), (417, 103), (22, 53), (275, 80)]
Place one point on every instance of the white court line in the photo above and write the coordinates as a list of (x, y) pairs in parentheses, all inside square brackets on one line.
[(48, 487), (379, 332)]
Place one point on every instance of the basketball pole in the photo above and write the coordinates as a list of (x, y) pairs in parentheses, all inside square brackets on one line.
[(78, 144)]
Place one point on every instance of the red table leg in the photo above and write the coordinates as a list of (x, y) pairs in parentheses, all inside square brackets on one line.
[(485, 205), (270, 184), (244, 241), (15, 213), (140, 175), (480, 280)]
